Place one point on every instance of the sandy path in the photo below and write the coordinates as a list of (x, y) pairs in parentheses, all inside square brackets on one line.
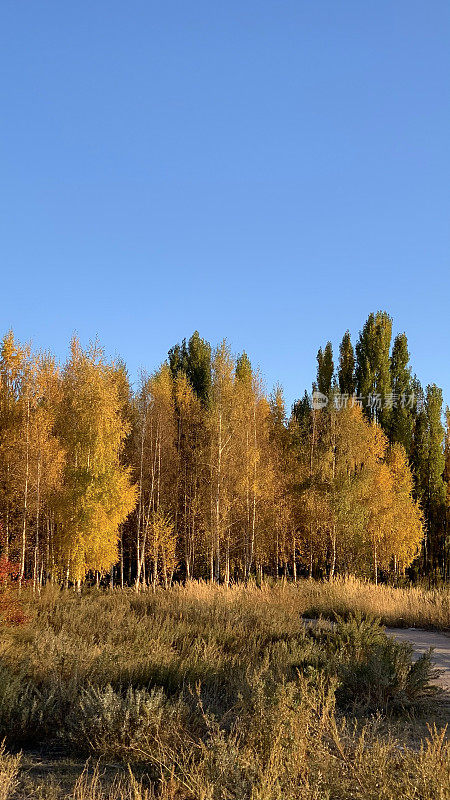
[(422, 641)]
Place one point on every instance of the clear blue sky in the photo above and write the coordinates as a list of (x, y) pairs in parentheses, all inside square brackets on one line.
[(263, 170)]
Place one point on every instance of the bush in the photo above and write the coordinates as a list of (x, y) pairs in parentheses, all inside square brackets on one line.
[(217, 694), (375, 671), (28, 713), (106, 722)]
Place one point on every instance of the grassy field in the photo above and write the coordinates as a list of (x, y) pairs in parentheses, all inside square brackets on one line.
[(207, 693), (396, 607)]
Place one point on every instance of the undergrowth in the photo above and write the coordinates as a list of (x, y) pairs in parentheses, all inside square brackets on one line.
[(215, 694)]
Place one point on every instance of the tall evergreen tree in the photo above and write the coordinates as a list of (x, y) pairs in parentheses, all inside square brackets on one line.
[(401, 421), (428, 461), (325, 369), (346, 373), (199, 372), (419, 446), (435, 497), (301, 410), (243, 368), (178, 358), (194, 359), (373, 377)]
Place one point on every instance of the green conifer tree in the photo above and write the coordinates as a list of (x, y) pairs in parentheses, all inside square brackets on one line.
[(346, 373), (194, 359), (325, 369), (373, 377), (401, 421), (435, 497), (301, 410)]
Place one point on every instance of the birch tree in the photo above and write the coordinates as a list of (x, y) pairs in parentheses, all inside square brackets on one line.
[(222, 440), (97, 494), (155, 463)]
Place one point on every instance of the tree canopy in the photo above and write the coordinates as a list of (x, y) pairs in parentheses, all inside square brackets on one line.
[(201, 473)]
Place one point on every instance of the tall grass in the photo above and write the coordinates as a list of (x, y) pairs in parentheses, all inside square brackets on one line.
[(403, 607), (216, 694), (9, 770)]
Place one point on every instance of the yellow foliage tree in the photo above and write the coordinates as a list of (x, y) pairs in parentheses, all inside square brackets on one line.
[(155, 460), (97, 493), (407, 523)]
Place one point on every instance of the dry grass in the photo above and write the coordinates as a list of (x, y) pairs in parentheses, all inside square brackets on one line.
[(9, 770), (396, 607), (216, 694)]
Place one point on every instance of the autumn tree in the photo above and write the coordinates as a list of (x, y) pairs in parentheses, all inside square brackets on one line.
[(358, 500), (46, 461), (310, 439), (254, 468), (155, 463), (284, 500), (192, 472), (12, 366), (97, 493), (407, 531), (222, 424)]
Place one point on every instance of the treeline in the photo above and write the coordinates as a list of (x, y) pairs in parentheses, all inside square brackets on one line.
[(377, 375), (200, 474)]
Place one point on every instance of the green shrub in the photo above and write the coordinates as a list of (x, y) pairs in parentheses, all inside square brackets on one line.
[(130, 725), (374, 670), (28, 713)]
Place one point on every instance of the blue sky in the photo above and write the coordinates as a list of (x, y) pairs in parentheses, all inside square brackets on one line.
[(266, 171)]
